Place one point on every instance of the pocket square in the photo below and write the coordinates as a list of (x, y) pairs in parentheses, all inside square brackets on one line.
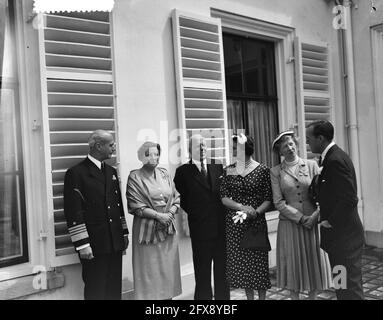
[(114, 178)]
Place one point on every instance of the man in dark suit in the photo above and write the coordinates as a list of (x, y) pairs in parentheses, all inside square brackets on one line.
[(95, 218), (198, 184), (342, 235)]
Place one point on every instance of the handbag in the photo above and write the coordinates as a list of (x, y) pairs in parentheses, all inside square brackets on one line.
[(256, 238), (313, 191)]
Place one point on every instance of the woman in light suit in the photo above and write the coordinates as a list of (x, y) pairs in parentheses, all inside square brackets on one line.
[(301, 264), (154, 201)]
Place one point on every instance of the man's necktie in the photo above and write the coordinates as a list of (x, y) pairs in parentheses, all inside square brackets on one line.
[(103, 167), (320, 161), (203, 169)]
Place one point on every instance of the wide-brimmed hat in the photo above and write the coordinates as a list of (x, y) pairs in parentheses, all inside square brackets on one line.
[(282, 134)]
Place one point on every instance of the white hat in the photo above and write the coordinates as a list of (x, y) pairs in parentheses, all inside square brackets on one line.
[(284, 133), (241, 138)]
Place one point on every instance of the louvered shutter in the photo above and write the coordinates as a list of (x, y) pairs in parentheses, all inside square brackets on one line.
[(78, 98), (313, 88), (198, 54)]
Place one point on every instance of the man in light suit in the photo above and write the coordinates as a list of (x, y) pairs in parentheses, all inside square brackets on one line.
[(342, 235), (95, 218), (198, 185)]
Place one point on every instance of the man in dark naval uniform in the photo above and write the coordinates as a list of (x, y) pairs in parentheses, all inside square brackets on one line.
[(95, 218)]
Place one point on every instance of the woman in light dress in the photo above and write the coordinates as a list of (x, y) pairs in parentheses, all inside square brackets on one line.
[(153, 200), (301, 264)]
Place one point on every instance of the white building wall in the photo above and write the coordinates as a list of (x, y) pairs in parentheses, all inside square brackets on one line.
[(146, 89), (144, 68), (368, 118)]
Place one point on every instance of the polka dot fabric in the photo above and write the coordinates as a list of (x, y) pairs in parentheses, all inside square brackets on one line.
[(246, 269)]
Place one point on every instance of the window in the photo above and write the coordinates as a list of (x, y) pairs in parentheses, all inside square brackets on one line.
[(13, 234), (251, 92)]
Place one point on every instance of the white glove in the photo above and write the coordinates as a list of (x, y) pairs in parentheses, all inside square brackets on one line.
[(239, 217)]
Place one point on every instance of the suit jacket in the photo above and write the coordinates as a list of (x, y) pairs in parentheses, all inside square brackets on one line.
[(93, 208), (290, 191), (338, 202), (201, 200)]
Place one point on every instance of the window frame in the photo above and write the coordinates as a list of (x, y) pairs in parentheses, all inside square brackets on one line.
[(283, 38), (31, 135), (244, 95), (24, 257)]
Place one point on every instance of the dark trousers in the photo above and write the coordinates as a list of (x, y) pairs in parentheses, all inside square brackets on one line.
[(353, 263), (103, 277), (206, 252)]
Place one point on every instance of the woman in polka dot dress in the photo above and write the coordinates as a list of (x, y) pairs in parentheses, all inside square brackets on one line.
[(246, 187)]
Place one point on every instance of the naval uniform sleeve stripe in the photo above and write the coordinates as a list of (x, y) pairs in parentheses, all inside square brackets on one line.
[(124, 224), (81, 226), (83, 246), (77, 226), (81, 236), (77, 231), (80, 243)]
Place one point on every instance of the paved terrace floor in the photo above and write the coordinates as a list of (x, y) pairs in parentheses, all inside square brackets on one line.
[(372, 268)]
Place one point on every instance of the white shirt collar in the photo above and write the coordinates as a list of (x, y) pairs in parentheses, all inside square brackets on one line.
[(323, 155), (198, 163), (95, 161)]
